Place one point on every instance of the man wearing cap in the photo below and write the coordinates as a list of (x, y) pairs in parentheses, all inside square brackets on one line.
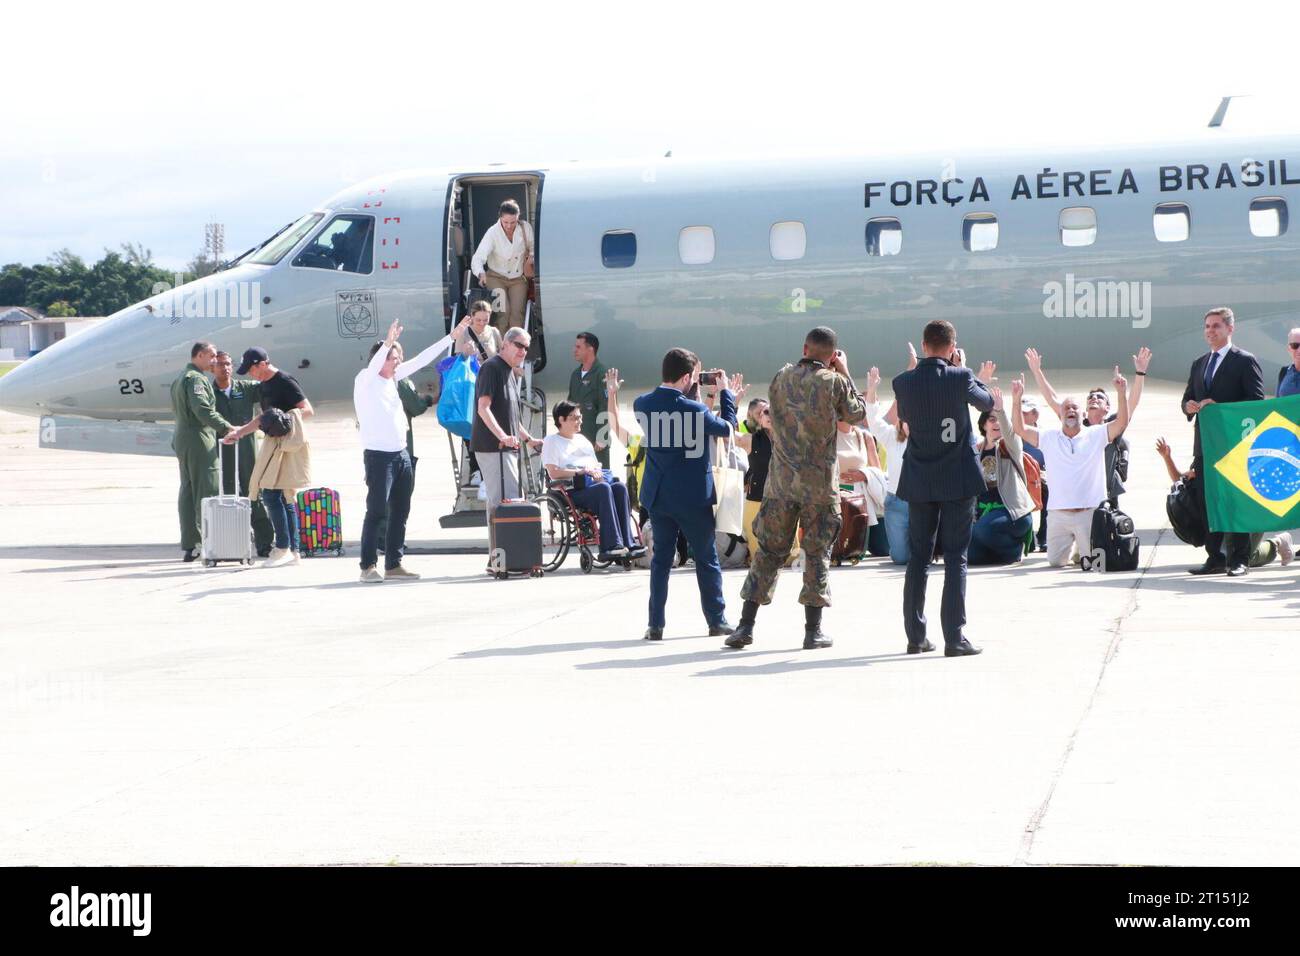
[(280, 391), (1029, 411), (236, 400), (198, 425)]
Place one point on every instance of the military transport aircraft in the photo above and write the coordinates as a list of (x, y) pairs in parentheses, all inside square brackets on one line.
[(1086, 254)]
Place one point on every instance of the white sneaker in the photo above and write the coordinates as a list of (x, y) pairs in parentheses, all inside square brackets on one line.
[(297, 558), (1285, 548), (278, 558), (371, 575)]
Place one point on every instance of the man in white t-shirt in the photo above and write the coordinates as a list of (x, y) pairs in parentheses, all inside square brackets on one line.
[(389, 476), (567, 454), (1076, 459)]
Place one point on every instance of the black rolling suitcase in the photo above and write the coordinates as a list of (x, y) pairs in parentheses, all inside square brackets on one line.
[(515, 534), (1114, 541)]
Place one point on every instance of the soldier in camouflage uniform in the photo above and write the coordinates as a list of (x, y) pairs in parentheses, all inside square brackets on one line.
[(198, 426), (807, 400)]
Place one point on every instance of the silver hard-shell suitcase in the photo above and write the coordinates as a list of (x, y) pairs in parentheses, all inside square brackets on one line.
[(227, 524)]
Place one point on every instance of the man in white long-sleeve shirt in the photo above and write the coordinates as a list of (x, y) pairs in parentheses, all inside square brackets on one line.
[(389, 476), (503, 263)]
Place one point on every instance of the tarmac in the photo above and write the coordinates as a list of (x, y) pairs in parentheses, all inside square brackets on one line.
[(155, 712)]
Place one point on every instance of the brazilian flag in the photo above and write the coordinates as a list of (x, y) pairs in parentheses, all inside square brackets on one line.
[(1251, 452)]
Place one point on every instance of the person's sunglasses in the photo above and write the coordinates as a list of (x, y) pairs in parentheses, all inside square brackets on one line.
[(1293, 345)]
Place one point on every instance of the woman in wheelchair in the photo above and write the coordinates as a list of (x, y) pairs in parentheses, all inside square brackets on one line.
[(569, 457)]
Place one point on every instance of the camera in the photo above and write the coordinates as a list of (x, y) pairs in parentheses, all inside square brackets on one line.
[(708, 378)]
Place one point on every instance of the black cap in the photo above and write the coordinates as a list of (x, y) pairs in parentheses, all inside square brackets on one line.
[(251, 357), (275, 423)]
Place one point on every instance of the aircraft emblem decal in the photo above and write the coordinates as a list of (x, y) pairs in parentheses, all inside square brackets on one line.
[(358, 313)]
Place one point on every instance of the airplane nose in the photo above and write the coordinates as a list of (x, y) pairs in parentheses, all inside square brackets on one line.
[(18, 390)]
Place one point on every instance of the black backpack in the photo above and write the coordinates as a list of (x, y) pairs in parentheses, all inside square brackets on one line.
[(1186, 516), (1114, 541), (275, 423)]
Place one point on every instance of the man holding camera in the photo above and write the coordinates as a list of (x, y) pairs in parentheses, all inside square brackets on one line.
[(802, 490), (678, 485), (940, 479)]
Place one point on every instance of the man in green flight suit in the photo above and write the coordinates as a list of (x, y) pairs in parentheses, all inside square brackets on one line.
[(413, 404), (587, 391), (198, 426), (238, 403)]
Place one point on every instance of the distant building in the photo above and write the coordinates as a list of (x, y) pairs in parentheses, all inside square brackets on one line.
[(24, 331)]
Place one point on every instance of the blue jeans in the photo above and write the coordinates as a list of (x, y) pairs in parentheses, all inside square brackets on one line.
[(996, 539), (390, 479), (282, 509), (878, 540), (610, 502), (896, 528)]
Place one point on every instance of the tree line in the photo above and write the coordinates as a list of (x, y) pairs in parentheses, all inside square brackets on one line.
[(66, 286)]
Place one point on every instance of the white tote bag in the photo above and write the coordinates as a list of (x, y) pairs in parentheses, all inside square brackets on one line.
[(729, 487)]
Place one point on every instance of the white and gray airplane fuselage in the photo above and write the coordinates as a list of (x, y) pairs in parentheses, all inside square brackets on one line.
[(748, 306)]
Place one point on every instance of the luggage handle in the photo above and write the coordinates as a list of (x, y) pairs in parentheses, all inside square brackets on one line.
[(501, 454), (221, 467)]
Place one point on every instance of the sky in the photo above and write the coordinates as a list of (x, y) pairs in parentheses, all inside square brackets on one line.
[(141, 126)]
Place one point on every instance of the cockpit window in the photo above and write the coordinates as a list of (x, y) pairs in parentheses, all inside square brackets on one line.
[(345, 245), (275, 248)]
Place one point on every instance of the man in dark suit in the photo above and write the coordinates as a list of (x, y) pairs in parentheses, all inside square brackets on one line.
[(678, 485), (940, 479), (1224, 374)]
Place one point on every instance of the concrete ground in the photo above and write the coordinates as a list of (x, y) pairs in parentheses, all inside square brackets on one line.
[(160, 713)]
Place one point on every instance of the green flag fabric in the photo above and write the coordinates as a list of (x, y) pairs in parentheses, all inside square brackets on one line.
[(1251, 452)]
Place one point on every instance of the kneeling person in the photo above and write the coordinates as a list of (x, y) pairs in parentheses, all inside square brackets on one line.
[(1075, 459), (570, 455), (1004, 511)]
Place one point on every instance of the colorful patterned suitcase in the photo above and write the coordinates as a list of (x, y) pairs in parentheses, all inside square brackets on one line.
[(320, 522)]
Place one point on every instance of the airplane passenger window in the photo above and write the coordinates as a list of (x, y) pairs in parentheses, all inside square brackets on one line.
[(1268, 217), (274, 249), (884, 237), (979, 232), (618, 248), (787, 240), (1078, 226), (696, 245), (1173, 222), (345, 245)]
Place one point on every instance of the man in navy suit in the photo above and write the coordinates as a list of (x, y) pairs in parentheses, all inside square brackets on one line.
[(1223, 374), (678, 485), (940, 480)]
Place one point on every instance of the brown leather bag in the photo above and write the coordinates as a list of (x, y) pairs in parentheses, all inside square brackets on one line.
[(852, 540)]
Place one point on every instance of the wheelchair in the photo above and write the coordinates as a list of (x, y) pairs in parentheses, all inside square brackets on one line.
[(566, 527)]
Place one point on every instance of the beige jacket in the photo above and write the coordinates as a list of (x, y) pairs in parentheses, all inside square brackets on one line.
[(283, 463)]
